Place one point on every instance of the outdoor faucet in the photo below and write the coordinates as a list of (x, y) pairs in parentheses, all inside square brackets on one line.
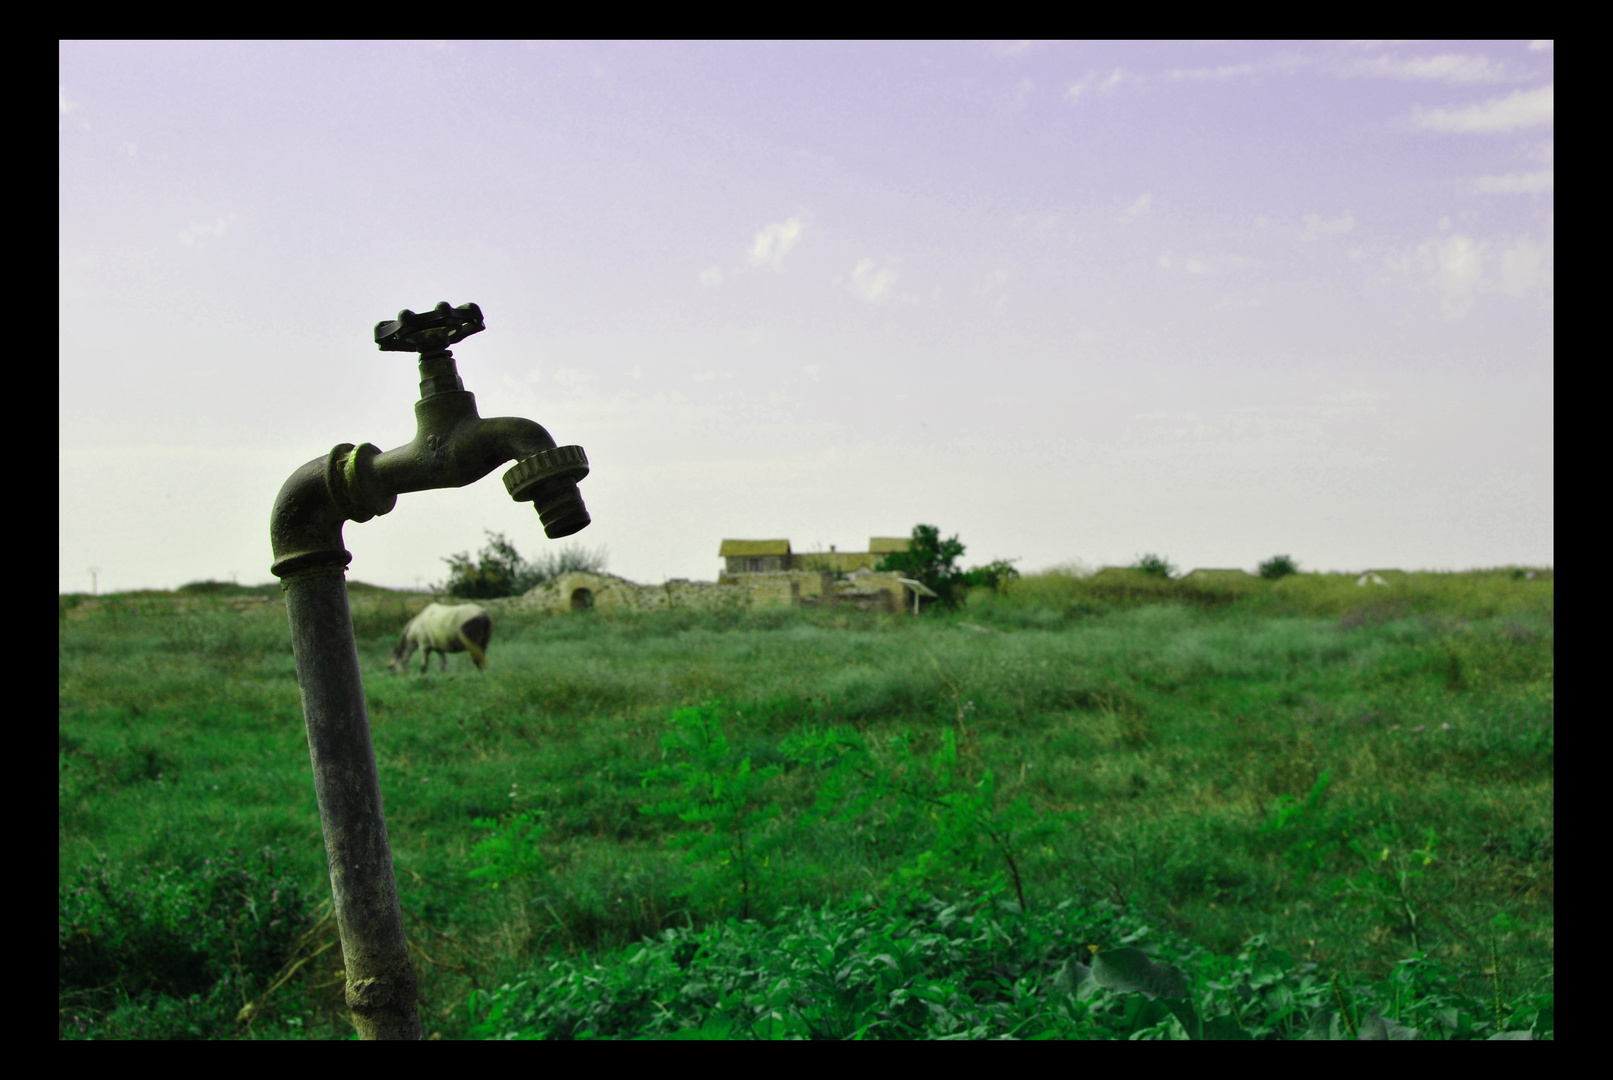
[(452, 447)]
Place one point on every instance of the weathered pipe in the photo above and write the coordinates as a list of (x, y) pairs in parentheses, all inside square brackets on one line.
[(452, 447)]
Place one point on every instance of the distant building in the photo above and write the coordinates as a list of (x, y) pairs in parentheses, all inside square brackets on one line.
[(756, 574), (772, 556), (771, 568)]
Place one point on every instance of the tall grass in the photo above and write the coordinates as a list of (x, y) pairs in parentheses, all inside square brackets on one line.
[(1174, 724)]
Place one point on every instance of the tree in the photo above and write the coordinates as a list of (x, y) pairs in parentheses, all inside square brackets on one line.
[(1278, 566), (933, 562), (1154, 565), (994, 575), (499, 569)]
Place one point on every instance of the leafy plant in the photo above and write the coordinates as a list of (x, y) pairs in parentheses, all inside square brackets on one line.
[(1278, 567), (511, 852), (722, 798), (993, 575), (917, 967), (1384, 861), (973, 840), (1154, 566), (172, 953)]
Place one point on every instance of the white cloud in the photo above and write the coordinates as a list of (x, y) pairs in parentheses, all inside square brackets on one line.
[(1091, 81), (705, 376), (1541, 45), (1226, 71), (1008, 48), (637, 371), (1139, 207), (1524, 266), (1315, 225), (872, 282), (66, 108), (1206, 264), (711, 276), (813, 370), (1521, 108), (196, 235), (774, 241), (1455, 266), (1446, 67), (1460, 268), (1515, 183)]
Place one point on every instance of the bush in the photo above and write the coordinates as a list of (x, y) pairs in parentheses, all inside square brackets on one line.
[(934, 562), (1278, 567), (172, 954), (1154, 566), (915, 967), (499, 569)]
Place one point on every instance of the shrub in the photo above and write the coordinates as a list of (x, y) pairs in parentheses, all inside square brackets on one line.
[(172, 953), (1154, 566), (994, 575), (499, 569), (1277, 567)]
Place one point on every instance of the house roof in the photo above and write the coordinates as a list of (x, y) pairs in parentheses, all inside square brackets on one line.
[(884, 545), (754, 547)]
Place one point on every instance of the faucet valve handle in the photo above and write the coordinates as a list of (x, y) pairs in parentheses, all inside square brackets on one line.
[(548, 479), (431, 332)]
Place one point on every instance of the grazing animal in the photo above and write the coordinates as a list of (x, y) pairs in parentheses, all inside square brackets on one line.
[(445, 628)]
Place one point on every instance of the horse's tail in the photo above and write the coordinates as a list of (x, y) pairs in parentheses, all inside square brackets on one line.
[(475, 635)]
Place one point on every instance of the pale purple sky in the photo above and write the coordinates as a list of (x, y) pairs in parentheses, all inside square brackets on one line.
[(1069, 301)]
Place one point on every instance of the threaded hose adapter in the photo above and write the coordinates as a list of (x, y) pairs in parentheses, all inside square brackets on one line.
[(548, 480)]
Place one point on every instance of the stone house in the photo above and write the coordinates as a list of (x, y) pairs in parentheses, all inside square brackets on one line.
[(756, 574)]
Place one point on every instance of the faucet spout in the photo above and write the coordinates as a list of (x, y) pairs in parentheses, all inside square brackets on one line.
[(452, 447)]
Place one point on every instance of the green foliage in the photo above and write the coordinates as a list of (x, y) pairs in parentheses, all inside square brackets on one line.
[(511, 852), (971, 839), (499, 570), (172, 954), (1155, 566), (1278, 567), (1382, 861), (721, 801), (920, 968), (1165, 719), (994, 575), (933, 561)]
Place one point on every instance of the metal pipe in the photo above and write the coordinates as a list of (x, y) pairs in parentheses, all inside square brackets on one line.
[(452, 447)]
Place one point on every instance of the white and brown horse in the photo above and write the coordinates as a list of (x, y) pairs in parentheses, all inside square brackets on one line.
[(445, 628)]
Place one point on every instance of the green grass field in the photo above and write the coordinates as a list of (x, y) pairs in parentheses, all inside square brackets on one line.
[(1351, 776)]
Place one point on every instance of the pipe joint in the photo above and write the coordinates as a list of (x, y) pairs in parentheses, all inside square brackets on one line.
[(353, 484)]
